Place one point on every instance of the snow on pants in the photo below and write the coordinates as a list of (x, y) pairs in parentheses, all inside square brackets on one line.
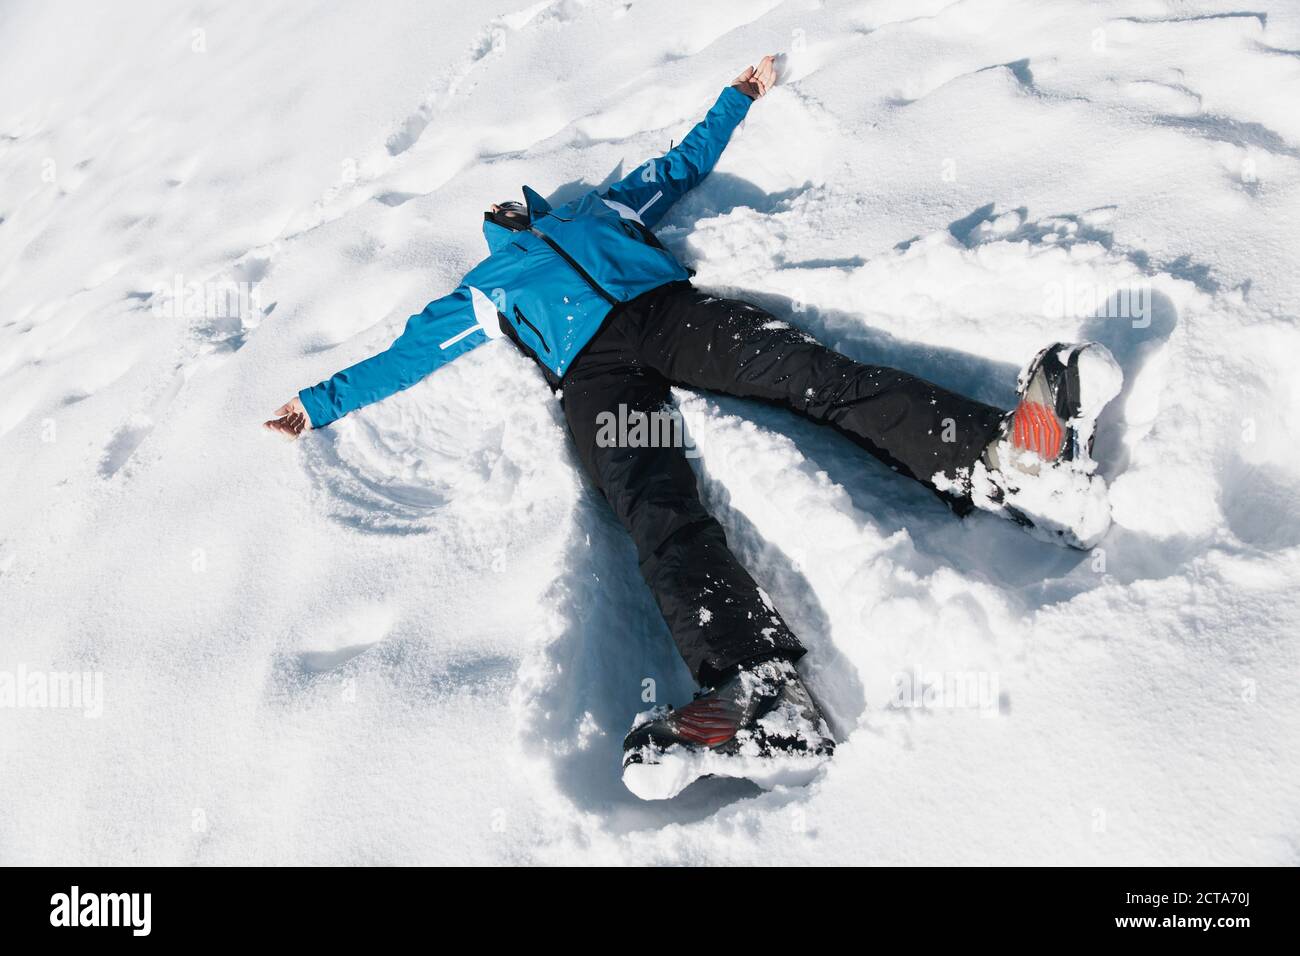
[(678, 335)]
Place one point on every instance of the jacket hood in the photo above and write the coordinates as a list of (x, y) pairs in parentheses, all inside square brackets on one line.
[(498, 237)]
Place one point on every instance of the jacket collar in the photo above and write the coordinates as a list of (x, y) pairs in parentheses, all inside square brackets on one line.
[(537, 206), (498, 237)]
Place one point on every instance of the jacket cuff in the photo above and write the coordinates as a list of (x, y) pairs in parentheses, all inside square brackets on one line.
[(734, 98), (317, 408)]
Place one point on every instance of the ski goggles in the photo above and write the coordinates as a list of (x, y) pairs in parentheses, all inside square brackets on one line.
[(511, 215)]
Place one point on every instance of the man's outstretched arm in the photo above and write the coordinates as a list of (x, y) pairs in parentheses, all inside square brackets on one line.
[(446, 328), (655, 185)]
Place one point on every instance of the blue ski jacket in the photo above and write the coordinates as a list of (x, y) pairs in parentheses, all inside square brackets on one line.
[(555, 283)]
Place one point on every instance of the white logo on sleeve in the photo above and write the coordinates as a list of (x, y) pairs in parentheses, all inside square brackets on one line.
[(650, 202), (485, 311), (485, 318)]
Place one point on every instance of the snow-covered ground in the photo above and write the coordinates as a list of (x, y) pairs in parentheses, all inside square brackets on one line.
[(419, 635)]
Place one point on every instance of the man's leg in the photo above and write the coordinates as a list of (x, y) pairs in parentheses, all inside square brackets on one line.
[(716, 613), (729, 346)]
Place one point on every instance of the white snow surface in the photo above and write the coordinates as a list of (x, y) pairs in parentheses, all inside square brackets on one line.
[(419, 635)]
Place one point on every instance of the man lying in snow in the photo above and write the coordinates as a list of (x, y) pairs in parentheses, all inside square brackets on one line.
[(611, 317)]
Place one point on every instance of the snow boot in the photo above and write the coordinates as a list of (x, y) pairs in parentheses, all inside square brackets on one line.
[(1039, 470), (761, 724)]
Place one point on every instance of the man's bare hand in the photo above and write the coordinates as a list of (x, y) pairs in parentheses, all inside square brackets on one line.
[(290, 420), (755, 81)]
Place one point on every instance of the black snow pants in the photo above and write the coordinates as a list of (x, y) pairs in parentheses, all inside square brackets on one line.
[(678, 335)]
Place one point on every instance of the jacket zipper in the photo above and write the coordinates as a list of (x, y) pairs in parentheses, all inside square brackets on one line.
[(536, 331), (586, 276)]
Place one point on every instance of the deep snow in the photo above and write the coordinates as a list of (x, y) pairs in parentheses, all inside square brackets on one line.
[(419, 636)]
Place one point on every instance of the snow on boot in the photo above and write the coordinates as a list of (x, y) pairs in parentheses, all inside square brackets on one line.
[(1039, 470), (761, 724)]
